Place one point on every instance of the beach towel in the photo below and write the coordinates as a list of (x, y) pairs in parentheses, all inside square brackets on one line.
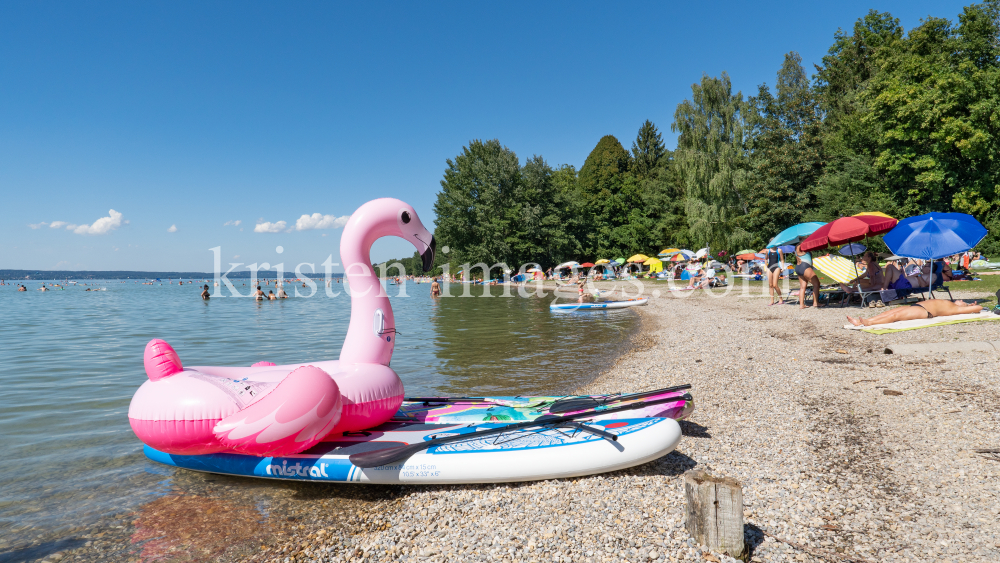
[(838, 268), (900, 326)]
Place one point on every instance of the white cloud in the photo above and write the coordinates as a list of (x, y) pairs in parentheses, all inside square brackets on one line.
[(235, 223), (172, 229), (37, 225), (101, 226), (268, 227), (319, 221), (57, 224)]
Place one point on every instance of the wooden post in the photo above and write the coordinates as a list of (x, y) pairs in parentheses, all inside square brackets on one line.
[(714, 515)]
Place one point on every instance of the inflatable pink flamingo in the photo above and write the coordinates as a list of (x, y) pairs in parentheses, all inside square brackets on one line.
[(267, 409)]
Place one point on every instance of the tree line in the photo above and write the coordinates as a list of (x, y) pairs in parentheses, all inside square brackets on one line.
[(892, 121)]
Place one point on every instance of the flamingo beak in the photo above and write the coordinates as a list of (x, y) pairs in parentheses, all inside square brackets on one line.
[(428, 255)]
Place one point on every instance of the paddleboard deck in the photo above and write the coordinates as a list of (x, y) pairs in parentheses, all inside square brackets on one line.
[(522, 455), (598, 305), (519, 409)]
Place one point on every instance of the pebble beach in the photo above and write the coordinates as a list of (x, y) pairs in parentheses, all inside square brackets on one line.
[(845, 453)]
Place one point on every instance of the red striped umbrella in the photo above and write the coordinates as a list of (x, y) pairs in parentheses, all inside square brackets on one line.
[(848, 229)]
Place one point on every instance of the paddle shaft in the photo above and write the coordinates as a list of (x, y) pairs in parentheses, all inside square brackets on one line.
[(386, 456), (616, 399)]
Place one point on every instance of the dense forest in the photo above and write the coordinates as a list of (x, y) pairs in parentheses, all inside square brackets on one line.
[(892, 121)]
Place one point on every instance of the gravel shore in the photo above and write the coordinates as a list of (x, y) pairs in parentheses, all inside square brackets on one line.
[(844, 453)]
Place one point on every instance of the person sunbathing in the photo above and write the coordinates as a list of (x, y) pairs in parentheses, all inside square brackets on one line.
[(923, 310)]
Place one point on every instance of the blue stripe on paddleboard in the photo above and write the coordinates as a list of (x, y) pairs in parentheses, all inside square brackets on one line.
[(303, 468)]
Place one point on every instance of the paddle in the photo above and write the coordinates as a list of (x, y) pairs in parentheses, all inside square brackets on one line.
[(568, 404), (386, 456), (595, 402)]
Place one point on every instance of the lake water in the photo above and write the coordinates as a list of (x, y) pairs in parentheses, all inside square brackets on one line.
[(70, 361)]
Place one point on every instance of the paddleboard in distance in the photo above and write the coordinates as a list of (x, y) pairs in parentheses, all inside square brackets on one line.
[(517, 409), (530, 454), (599, 305)]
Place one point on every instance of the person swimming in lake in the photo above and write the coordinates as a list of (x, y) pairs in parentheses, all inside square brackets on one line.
[(204, 293), (271, 296), (928, 309), (435, 289), (22, 288), (281, 292), (258, 295)]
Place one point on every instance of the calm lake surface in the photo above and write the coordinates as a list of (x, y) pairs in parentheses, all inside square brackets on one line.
[(70, 361)]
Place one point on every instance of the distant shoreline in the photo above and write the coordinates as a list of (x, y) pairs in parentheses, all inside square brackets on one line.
[(130, 274)]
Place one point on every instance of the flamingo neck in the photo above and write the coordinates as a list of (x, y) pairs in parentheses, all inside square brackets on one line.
[(371, 335)]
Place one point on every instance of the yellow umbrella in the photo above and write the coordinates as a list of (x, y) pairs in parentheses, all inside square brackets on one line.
[(639, 258), (655, 264), (839, 268), (875, 213), (602, 261), (669, 252)]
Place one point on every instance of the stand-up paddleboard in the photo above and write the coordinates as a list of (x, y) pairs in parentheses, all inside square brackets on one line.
[(541, 452), (517, 409), (599, 305)]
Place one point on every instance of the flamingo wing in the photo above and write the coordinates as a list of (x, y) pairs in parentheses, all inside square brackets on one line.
[(293, 417)]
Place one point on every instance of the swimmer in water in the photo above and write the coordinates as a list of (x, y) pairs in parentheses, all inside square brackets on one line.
[(270, 296), (204, 293), (258, 295), (435, 289), (281, 292)]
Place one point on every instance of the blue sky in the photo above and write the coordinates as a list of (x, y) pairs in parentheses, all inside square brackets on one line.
[(195, 114)]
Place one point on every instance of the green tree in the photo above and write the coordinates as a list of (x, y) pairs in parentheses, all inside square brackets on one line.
[(648, 150), (478, 206), (712, 161), (785, 153)]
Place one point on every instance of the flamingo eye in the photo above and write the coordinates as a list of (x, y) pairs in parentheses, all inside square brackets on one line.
[(405, 217)]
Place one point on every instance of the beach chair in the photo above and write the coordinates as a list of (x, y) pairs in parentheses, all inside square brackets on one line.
[(920, 293)]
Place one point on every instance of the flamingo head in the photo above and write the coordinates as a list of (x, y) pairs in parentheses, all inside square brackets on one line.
[(390, 217)]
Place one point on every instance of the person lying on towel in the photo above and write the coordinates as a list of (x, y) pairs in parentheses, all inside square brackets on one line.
[(928, 309)]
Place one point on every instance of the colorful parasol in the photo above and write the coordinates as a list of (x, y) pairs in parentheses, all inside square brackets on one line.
[(847, 229)]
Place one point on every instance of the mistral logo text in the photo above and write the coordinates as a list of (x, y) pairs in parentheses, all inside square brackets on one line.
[(297, 470)]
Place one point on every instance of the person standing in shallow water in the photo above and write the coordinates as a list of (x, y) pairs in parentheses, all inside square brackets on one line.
[(435, 289), (204, 293)]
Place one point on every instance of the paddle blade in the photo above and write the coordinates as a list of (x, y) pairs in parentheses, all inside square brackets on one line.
[(385, 456)]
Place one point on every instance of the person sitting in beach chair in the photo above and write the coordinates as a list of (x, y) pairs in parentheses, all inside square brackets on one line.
[(871, 280), (928, 309)]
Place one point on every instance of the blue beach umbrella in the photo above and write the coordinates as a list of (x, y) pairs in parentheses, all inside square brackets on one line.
[(787, 248), (795, 234), (934, 235), (852, 249)]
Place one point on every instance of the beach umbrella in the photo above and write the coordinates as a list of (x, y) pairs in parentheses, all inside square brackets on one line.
[(668, 252), (655, 264), (787, 248), (934, 235), (838, 268), (678, 258), (587, 265), (701, 253), (745, 251), (640, 258), (875, 213), (603, 261), (619, 261), (570, 264), (794, 234), (852, 249), (747, 256), (847, 229)]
